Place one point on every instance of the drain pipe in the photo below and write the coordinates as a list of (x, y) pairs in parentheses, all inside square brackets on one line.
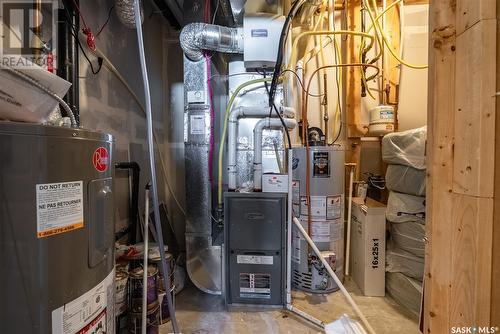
[(197, 37), (236, 114), (257, 144)]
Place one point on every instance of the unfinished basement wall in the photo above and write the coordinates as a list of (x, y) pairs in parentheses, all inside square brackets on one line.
[(106, 104)]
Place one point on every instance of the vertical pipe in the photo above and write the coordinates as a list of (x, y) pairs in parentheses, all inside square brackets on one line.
[(349, 211), (289, 232), (145, 264)]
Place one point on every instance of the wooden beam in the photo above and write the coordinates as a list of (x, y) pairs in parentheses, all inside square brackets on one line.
[(495, 275), (460, 266), (475, 110), (437, 284)]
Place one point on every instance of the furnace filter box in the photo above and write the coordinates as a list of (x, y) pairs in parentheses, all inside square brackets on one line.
[(368, 246)]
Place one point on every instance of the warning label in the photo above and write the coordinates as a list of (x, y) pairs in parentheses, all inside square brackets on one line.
[(59, 207), (318, 207), (333, 207), (198, 124), (90, 313)]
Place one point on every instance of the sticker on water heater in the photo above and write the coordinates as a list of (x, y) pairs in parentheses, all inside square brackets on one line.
[(318, 207), (59, 207), (333, 207), (92, 312)]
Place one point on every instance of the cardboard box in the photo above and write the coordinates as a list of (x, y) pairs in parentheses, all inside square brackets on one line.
[(368, 246)]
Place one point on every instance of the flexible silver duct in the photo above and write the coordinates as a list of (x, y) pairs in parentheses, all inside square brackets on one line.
[(196, 37), (125, 12)]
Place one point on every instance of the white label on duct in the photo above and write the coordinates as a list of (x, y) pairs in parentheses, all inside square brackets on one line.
[(197, 124), (59, 207), (318, 207), (92, 312), (254, 259), (333, 207), (196, 96)]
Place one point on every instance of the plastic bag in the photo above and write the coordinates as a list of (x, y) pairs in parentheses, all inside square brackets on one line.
[(405, 180), (405, 291), (402, 208), (409, 237), (400, 261), (405, 148)]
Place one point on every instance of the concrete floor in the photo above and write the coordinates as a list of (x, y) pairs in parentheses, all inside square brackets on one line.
[(201, 313)]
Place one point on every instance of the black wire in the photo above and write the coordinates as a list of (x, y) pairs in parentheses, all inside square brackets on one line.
[(279, 59), (74, 32), (107, 20), (273, 106)]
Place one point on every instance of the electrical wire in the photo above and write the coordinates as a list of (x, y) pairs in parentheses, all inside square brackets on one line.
[(215, 11), (301, 83), (74, 33), (281, 47), (293, 58), (106, 22)]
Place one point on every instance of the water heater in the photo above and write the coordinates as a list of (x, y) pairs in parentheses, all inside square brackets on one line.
[(326, 183), (56, 230)]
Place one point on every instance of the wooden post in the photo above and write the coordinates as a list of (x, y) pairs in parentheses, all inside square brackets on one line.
[(461, 165)]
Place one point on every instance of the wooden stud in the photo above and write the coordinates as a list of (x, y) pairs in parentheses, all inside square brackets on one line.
[(475, 110)]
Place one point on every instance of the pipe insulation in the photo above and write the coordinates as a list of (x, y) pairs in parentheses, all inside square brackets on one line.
[(152, 164), (197, 37), (265, 123)]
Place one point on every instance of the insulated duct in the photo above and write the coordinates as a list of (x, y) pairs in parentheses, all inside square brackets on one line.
[(125, 12), (196, 37)]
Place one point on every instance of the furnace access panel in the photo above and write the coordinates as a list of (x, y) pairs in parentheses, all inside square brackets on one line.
[(255, 230)]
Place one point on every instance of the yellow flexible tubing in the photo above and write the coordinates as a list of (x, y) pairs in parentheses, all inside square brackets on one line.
[(224, 130), (374, 20), (385, 39), (293, 58)]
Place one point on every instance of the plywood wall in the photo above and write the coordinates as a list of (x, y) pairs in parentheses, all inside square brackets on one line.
[(461, 168)]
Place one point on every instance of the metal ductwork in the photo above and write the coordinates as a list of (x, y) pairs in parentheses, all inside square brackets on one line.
[(196, 37), (203, 255)]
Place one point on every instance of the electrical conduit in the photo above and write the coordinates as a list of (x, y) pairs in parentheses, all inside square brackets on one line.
[(156, 210)]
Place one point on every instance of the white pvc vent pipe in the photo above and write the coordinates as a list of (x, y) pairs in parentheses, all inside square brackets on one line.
[(266, 123)]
